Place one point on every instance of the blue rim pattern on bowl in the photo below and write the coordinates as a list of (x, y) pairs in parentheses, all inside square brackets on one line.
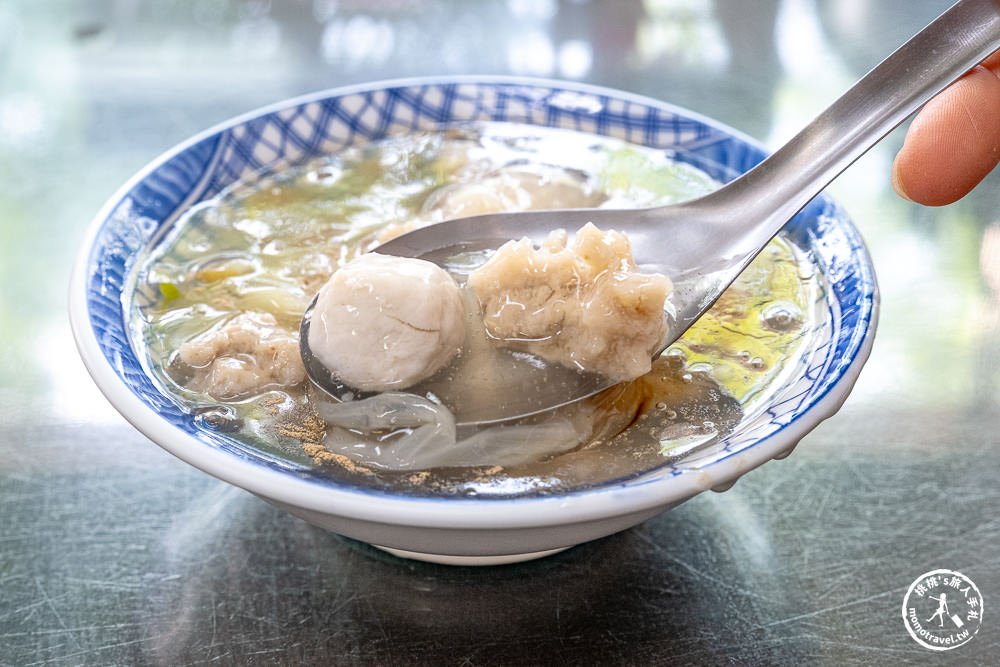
[(300, 129)]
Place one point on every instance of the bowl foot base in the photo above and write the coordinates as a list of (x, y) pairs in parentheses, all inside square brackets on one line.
[(445, 559)]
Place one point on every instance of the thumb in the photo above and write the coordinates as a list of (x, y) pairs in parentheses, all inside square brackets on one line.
[(953, 143)]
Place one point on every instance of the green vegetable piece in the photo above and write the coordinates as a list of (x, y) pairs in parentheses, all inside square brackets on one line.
[(169, 291)]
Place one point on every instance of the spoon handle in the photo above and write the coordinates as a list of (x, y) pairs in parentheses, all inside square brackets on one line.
[(776, 189)]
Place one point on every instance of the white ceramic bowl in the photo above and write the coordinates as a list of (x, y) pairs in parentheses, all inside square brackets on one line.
[(454, 529)]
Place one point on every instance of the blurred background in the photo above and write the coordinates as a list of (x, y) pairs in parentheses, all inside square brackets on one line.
[(111, 551)]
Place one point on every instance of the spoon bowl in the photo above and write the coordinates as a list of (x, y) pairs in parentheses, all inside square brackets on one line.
[(517, 389)]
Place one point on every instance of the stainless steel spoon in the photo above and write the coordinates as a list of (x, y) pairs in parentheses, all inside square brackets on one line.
[(704, 244)]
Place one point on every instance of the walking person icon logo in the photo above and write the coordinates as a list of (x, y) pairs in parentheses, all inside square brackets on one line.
[(954, 627), (941, 610)]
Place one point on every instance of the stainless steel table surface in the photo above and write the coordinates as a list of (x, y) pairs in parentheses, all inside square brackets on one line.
[(113, 552)]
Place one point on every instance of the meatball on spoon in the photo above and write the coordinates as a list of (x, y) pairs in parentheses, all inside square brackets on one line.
[(702, 245)]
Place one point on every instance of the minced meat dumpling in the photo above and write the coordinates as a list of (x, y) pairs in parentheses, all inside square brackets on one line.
[(584, 306), (244, 356)]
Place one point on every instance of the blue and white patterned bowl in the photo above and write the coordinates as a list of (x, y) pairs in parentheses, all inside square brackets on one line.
[(462, 530)]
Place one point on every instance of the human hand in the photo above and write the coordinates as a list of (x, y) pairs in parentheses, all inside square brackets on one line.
[(954, 141)]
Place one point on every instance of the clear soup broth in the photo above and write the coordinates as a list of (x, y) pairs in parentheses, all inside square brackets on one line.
[(267, 246)]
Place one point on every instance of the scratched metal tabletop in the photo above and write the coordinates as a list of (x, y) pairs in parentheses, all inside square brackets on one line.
[(113, 552)]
